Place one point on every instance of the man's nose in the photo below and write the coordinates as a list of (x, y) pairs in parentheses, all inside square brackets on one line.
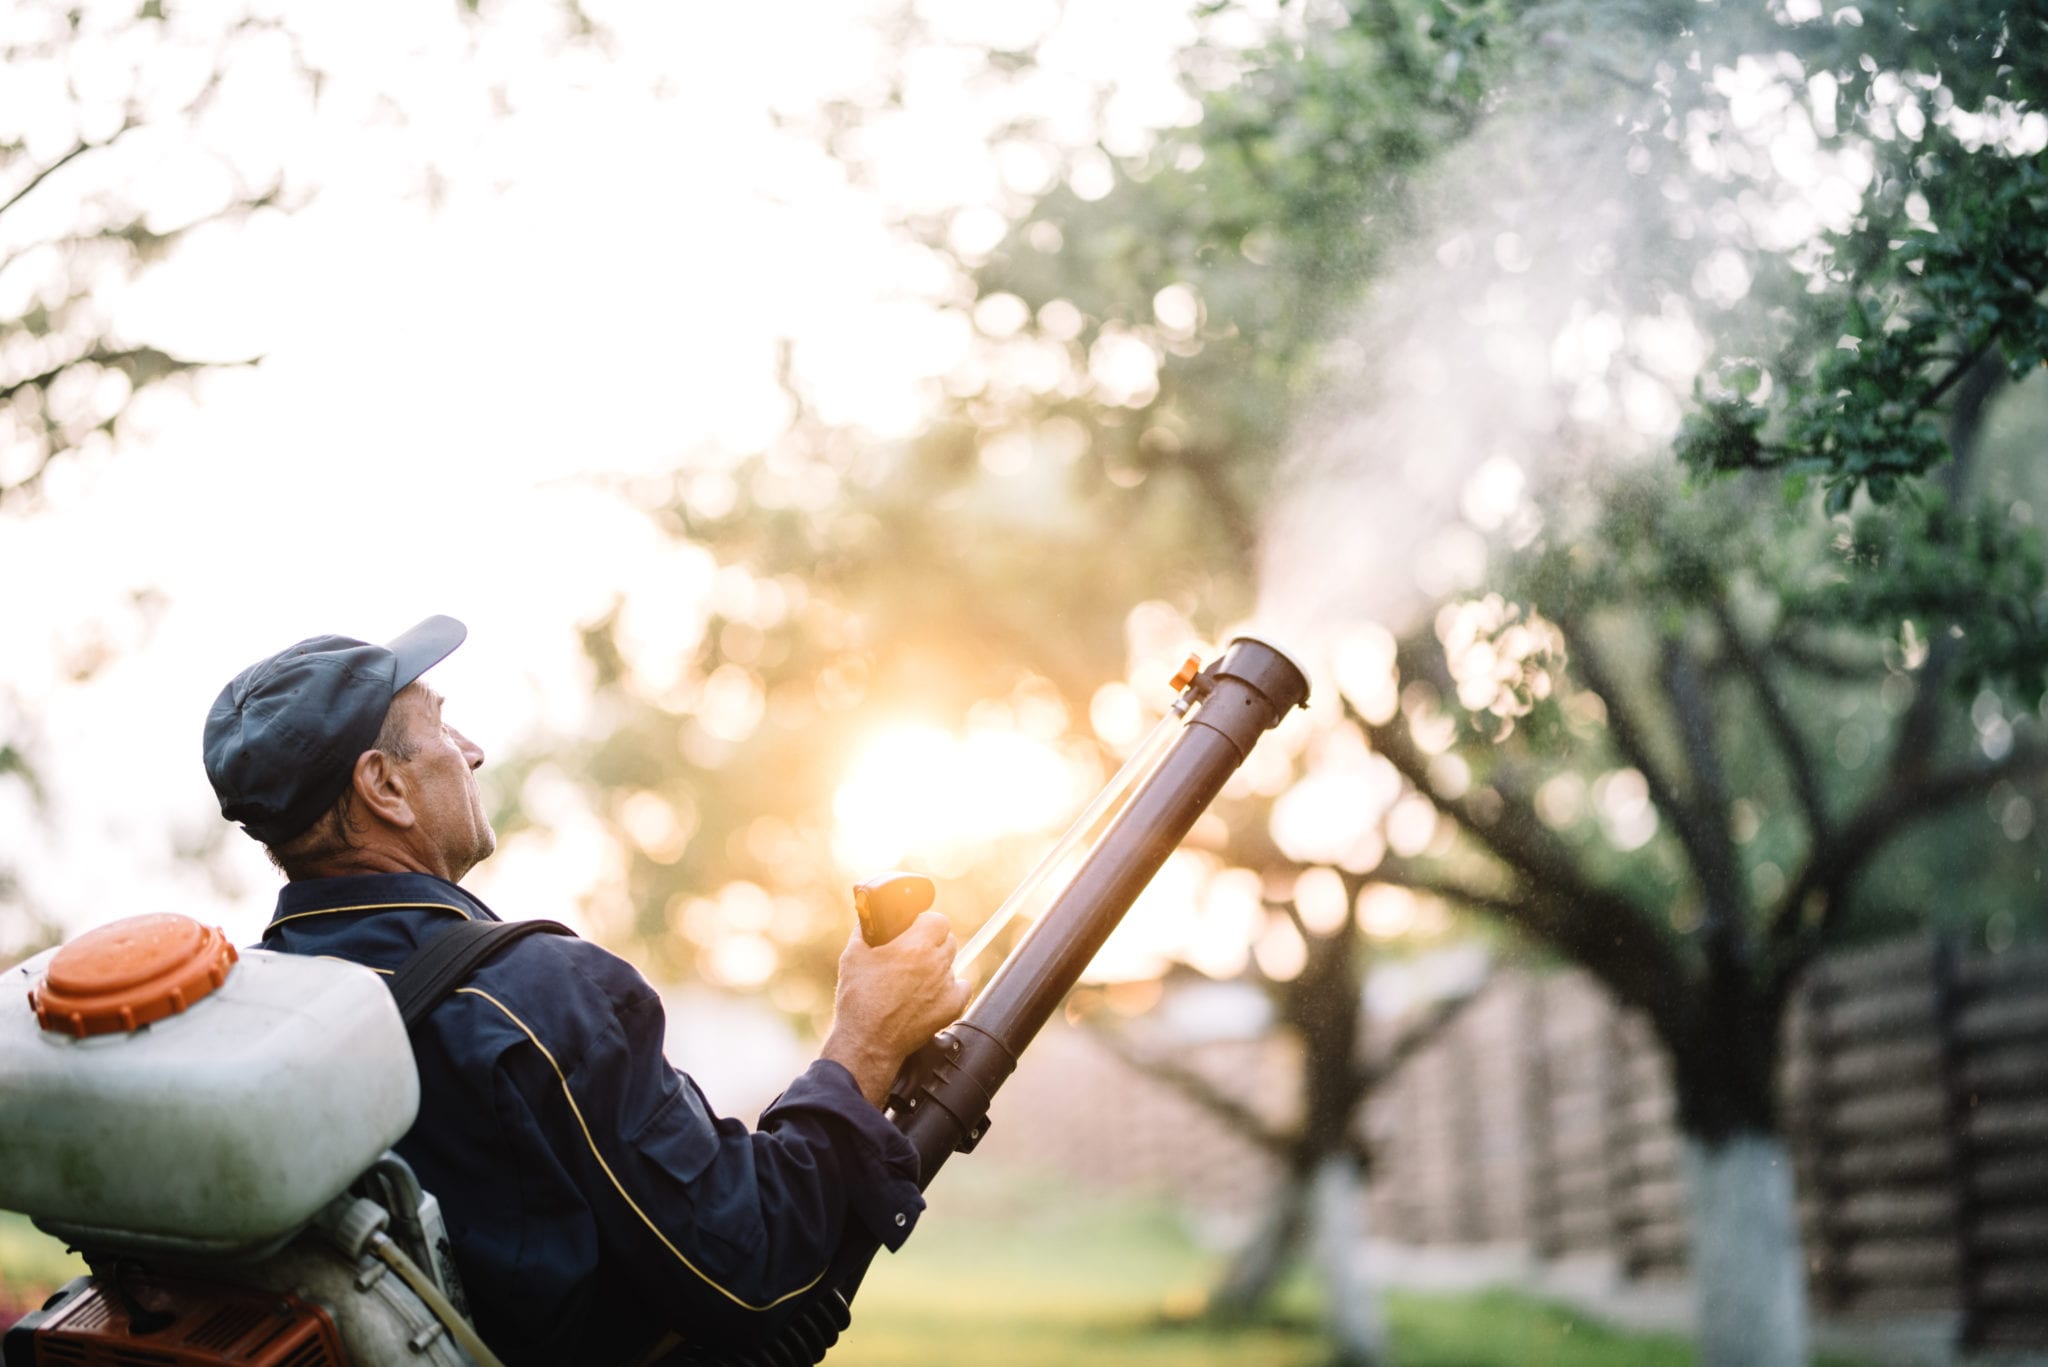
[(471, 751)]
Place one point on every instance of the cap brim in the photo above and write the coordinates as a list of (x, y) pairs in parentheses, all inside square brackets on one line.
[(418, 649)]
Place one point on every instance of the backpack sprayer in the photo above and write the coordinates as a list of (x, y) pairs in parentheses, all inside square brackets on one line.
[(211, 1130)]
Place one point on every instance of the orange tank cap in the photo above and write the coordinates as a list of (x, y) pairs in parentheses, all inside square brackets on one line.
[(123, 976), (1189, 668)]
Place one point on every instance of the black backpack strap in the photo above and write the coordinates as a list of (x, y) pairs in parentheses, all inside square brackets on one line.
[(439, 966)]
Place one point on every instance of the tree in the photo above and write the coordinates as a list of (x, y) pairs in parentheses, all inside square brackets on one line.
[(1919, 305), (118, 85), (1149, 344), (1653, 679), (133, 130), (1321, 1154), (100, 94), (1718, 1014)]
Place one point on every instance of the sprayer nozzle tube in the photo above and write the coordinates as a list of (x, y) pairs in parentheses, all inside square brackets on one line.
[(941, 1100), (1249, 688)]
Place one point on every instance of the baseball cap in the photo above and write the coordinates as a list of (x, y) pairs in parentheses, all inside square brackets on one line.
[(282, 738)]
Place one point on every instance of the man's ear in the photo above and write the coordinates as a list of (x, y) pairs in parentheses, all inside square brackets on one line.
[(382, 790)]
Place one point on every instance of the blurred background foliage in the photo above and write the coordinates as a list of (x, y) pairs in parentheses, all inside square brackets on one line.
[(1149, 350), (73, 235), (1627, 408), (129, 134), (1686, 734)]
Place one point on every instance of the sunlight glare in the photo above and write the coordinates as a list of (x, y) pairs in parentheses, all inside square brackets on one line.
[(1320, 897), (1280, 951), (1386, 912), (740, 961), (919, 792), (1194, 911)]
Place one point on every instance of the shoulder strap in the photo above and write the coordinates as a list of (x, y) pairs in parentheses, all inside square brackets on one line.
[(439, 966)]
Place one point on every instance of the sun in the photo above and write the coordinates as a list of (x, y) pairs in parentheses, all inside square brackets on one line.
[(919, 793)]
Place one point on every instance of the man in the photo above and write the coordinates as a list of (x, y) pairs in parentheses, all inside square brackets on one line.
[(595, 1203)]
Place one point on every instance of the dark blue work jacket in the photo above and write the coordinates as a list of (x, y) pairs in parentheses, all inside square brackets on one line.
[(594, 1200)]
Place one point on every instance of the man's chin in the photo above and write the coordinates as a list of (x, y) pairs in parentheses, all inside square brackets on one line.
[(486, 846)]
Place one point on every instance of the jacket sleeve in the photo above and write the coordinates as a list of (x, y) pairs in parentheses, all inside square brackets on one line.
[(721, 1229)]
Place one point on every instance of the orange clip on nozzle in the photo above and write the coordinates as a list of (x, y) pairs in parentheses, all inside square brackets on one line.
[(888, 904)]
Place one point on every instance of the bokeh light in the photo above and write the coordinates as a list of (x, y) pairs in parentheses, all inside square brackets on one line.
[(920, 793)]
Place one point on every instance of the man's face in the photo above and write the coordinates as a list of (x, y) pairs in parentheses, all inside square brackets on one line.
[(445, 799)]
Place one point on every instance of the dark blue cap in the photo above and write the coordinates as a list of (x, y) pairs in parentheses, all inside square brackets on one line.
[(283, 737)]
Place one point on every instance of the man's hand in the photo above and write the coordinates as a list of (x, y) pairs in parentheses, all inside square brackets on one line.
[(891, 999)]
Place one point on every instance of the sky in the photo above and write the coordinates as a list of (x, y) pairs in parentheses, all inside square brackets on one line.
[(525, 275)]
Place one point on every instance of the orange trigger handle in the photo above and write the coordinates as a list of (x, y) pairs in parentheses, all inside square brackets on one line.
[(888, 904)]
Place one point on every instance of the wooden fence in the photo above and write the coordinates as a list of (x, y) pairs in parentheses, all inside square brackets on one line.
[(1542, 1117), (1915, 1093), (1915, 1100)]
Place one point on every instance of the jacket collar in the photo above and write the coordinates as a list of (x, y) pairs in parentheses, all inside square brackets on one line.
[(375, 892)]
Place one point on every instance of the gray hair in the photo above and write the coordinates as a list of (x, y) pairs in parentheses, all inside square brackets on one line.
[(329, 835)]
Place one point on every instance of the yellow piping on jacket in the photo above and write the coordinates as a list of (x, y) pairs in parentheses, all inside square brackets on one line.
[(577, 1111)]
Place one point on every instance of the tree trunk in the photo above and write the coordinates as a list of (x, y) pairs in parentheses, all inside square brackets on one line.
[(1747, 1265), (1358, 1331), (1258, 1265)]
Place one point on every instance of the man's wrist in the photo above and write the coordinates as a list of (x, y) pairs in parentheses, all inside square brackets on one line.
[(872, 1068)]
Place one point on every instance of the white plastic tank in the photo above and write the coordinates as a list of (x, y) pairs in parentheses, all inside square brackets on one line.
[(155, 1083)]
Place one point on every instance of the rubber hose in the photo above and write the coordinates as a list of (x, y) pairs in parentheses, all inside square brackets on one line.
[(423, 1286)]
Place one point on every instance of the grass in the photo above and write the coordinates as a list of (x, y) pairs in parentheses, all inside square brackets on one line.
[(1009, 1275), (32, 1265), (1012, 1273)]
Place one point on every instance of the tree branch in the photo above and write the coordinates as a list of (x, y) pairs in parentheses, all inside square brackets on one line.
[(1956, 372), (1920, 729), (1778, 717), (78, 149), (1631, 740), (1905, 793), (1986, 374), (1421, 1034), (146, 243), (1293, 914), (1833, 866), (1601, 931), (1727, 919), (141, 364), (1773, 455), (1816, 659), (1608, 71), (1515, 911), (1190, 1084), (1598, 923)]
